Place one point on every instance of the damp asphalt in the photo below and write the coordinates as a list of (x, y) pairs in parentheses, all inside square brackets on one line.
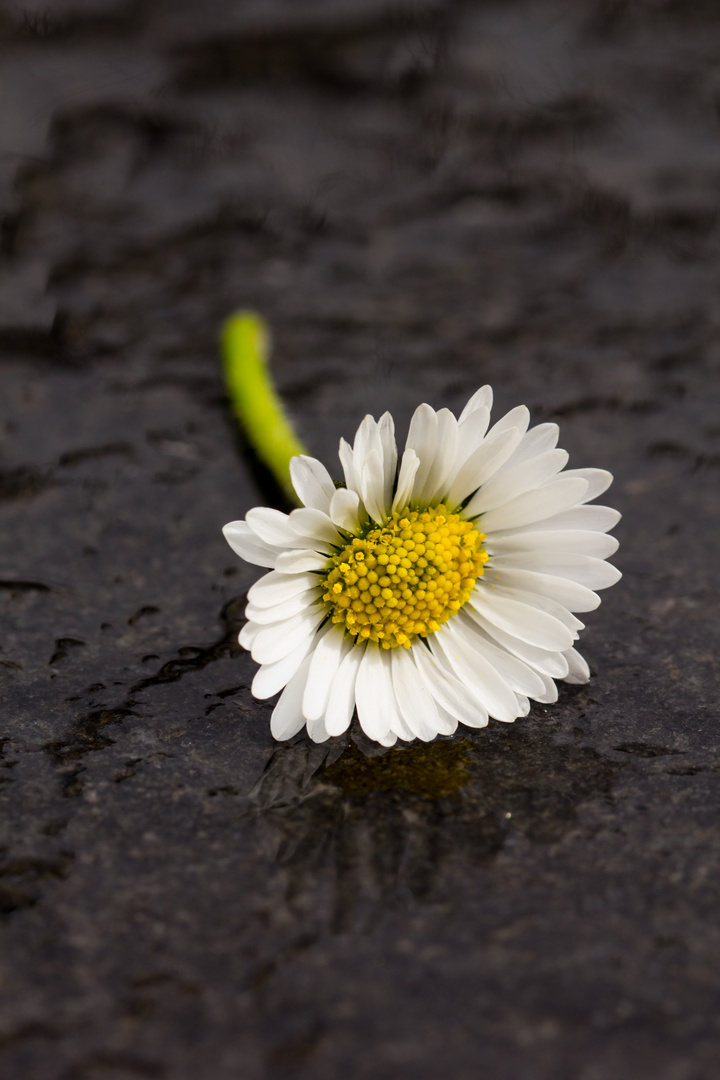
[(420, 197)]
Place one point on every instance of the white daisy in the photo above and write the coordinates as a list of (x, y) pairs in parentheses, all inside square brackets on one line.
[(436, 593)]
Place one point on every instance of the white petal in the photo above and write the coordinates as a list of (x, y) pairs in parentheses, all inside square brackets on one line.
[(422, 438), (511, 483), (374, 708), (576, 541), (270, 678), (400, 728), (345, 509), (248, 546), (543, 603), (481, 398), (274, 526), (367, 438), (312, 482), (545, 661), (447, 724), (275, 641), (481, 465), (533, 506), (326, 658), (449, 694), (287, 717), (386, 430), (573, 596), (596, 518), (372, 487), (585, 570), (578, 671), (476, 671), (308, 522), (550, 692), (519, 417), (536, 441), (414, 697), (444, 459), (347, 460), (277, 613), (247, 635), (518, 676), (368, 457), (274, 588), (300, 560), (386, 698), (471, 432), (406, 480), (341, 700), (519, 619), (317, 731), (271, 526), (599, 480)]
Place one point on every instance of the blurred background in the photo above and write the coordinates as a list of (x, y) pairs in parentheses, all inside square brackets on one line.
[(420, 197)]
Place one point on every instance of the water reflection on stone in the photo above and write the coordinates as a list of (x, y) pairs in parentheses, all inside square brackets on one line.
[(357, 828)]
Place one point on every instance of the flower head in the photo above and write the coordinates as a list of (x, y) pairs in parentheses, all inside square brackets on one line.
[(437, 592)]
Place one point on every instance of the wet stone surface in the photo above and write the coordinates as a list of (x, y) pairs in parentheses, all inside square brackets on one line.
[(420, 198)]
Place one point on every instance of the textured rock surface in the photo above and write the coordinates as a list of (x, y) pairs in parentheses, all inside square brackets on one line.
[(420, 198)]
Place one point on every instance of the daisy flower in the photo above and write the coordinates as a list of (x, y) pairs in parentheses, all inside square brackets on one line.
[(437, 590)]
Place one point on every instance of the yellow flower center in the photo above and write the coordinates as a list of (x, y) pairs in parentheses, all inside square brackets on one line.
[(406, 578)]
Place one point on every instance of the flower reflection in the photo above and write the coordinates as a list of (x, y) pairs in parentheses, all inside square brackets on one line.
[(358, 829)]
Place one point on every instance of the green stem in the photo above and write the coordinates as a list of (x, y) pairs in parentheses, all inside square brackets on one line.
[(244, 344)]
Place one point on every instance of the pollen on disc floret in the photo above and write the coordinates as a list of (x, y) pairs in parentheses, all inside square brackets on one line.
[(404, 579)]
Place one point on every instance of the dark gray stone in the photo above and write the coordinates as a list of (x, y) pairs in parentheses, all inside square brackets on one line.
[(420, 198)]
